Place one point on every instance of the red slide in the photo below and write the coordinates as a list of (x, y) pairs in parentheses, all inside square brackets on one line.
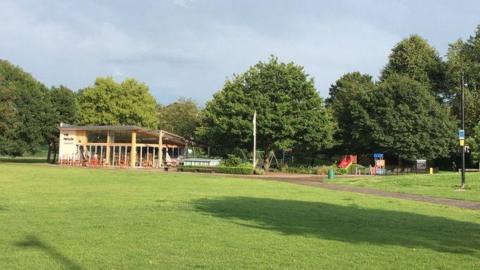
[(347, 161)]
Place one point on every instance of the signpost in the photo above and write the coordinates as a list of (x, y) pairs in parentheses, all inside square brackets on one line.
[(421, 165)]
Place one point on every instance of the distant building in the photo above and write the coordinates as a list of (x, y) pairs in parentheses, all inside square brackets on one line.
[(119, 146)]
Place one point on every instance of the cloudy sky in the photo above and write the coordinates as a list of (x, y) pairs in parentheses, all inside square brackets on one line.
[(188, 48)]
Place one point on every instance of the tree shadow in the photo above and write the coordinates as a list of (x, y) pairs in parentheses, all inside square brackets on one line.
[(31, 241), (351, 224)]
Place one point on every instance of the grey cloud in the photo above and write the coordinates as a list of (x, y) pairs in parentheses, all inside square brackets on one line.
[(188, 48)]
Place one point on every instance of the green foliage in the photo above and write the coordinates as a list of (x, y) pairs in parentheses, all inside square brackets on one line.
[(26, 113), (473, 143), (345, 100), (415, 58), (463, 58), (180, 117), (65, 107), (232, 161), (404, 119), (340, 171), (110, 103), (65, 103), (241, 169), (290, 113), (259, 171)]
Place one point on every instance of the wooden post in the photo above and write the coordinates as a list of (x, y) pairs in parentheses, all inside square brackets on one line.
[(160, 149), (133, 153), (113, 156), (126, 152), (107, 150)]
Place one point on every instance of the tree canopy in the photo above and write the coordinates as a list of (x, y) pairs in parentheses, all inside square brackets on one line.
[(290, 113), (415, 58), (405, 120), (110, 103), (26, 116), (345, 98), (180, 117), (64, 104)]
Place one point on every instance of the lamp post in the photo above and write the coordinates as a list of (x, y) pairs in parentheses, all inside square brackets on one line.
[(462, 186)]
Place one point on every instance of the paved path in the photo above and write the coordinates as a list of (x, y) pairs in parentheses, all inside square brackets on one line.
[(317, 181)]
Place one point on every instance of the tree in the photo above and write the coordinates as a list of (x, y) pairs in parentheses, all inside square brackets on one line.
[(110, 103), (66, 111), (180, 117), (415, 58), (290, 113), (463, 58), (405, 120), (345, 95), (473, 142), (26, 111)]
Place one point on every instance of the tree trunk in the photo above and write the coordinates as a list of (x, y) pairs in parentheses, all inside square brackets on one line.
[(55, 150), (49, 153), (266, 161)]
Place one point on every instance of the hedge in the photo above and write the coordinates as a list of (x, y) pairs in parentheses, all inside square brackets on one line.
[(217, 169)]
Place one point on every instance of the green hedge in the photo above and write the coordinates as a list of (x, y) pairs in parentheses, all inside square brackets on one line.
[(218, 169)]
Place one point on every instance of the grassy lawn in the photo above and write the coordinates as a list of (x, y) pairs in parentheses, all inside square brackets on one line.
[(439, 185), (74, 218)]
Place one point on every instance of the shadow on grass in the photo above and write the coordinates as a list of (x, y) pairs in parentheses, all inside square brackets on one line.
[(23, 160), (31, 241), (351, 224)]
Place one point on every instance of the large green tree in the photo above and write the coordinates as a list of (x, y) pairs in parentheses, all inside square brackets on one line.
[(25, 111), (473, 142), (463, 58), (346, 95), (180, 117), (415, 58), (110, 103), (402, 118), (290, 112), (65, 107)]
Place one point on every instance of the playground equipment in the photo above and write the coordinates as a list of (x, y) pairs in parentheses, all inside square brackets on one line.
[(347, 160), (379, 168)]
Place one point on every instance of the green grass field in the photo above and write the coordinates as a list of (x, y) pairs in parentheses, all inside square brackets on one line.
[(444, 185), (74, 218)]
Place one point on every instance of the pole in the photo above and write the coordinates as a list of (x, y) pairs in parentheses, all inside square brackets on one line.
[(462, 186), (254, 139)]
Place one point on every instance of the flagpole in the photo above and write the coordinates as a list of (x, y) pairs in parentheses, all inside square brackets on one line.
[(254, 139)]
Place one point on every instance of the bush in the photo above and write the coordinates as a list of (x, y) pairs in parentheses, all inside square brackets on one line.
[(202, 169), (259, 171), (235, 170), (300, 169), (232, 161), (340, 171), (322, 170), (220, 169)]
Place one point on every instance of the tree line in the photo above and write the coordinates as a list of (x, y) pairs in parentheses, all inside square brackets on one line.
[(411, 111)]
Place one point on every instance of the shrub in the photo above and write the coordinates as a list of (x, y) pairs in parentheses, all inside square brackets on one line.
[(258, 171), (235, 170), (322, 170), (340, 171), (232, 161), (220, 169)]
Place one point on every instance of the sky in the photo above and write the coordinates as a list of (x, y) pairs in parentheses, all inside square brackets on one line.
[(189, 48)]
